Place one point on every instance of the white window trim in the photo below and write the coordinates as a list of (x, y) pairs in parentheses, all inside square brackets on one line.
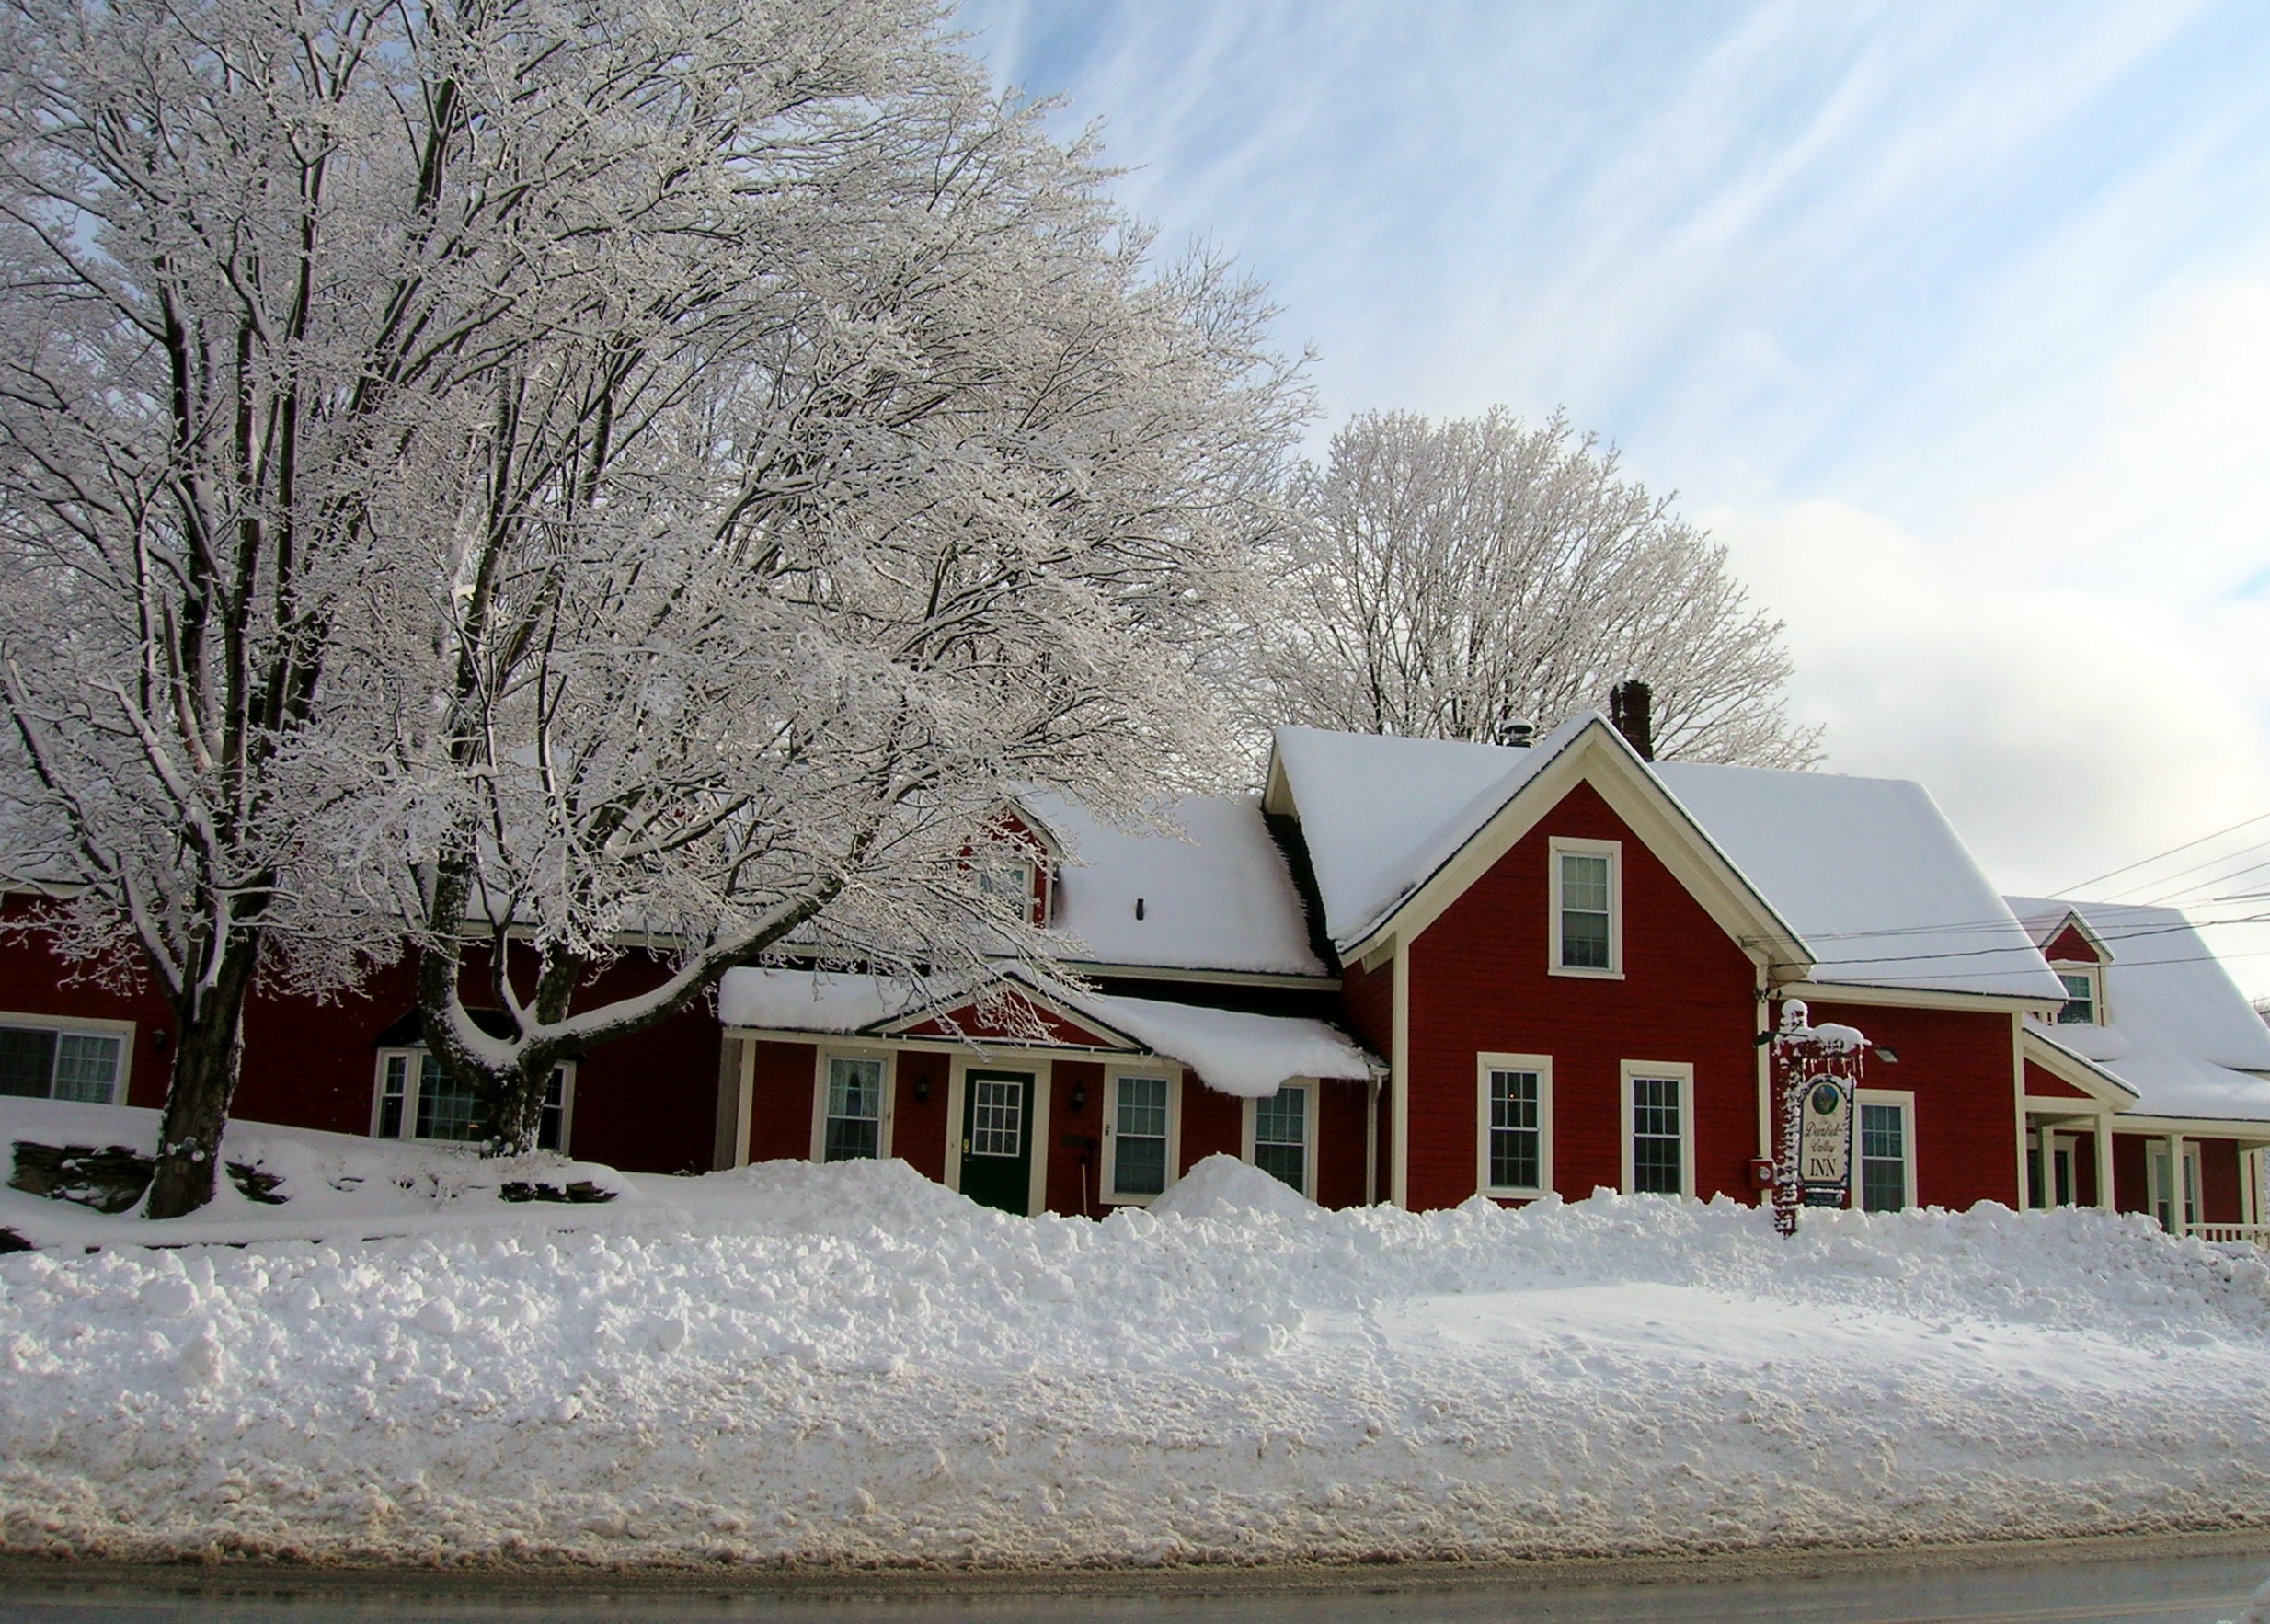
[(1542, 1065), (1681, 1072), (820, 1095), (1112, 1073), (2186, 1158), (2096, 989), (1904, 1099), (1308, 1151), (94, 1026), (409, 1099), (1556, 847), (957, 1093)]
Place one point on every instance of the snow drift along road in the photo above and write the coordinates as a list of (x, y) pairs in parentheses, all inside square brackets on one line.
[(850, 1363)]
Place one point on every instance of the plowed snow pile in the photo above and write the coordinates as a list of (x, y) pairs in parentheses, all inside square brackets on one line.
[(851, 1364)]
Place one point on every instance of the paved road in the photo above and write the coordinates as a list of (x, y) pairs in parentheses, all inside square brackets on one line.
[(2199, 1587)]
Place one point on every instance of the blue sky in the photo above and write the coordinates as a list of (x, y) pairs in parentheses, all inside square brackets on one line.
[(1952, 321)]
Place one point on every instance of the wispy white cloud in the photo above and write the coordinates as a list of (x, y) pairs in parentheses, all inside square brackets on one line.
[(1955, 320)]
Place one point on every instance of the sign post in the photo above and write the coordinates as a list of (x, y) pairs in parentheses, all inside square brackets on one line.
[(1816, 1074)]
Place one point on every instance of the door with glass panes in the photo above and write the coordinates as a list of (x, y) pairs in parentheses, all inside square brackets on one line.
[(997, 1138)]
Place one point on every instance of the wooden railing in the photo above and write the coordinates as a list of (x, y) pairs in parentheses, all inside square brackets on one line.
[(2258, 1234)]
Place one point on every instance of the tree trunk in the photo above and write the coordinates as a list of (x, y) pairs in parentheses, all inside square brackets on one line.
[(206, 1063), (516, 1104)]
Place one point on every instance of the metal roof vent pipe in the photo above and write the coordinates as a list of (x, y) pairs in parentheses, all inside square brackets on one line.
[(1519, 734), (1629, 709)]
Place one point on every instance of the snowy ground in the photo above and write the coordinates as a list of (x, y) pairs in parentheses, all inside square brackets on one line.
[(854, 1365)]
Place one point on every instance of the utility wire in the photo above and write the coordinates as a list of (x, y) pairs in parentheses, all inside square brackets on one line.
[(2156, 856)]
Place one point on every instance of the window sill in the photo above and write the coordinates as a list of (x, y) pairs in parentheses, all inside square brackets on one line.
[(1515, 1194), (1583, 975)]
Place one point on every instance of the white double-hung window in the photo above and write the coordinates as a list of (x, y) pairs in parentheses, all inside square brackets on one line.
[(1659, 1128), (1280, 1134), (1515, 1097), (58, 1060), (1884, 1146), (1585, 886), (852, 1114), (1139, 1134), (417, 1099)]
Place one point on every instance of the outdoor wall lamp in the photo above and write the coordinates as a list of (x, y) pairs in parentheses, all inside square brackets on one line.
[(922, 1090), (1079, 1099)]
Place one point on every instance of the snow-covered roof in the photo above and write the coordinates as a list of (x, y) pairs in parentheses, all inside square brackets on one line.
[(813, 1001), (1233, 1052), (1380, 814), (1867, 871), (2176, 1028), (1872, 876), (1213, 887)]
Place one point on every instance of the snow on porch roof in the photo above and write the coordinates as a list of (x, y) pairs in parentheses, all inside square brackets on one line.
[(2176, 1027), (1233, 1052)]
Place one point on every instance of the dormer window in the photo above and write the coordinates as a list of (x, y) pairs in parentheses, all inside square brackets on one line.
[(2084, 995), (1009, 879)]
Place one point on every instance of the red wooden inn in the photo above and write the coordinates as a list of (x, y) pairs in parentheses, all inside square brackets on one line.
[(1408, 971)]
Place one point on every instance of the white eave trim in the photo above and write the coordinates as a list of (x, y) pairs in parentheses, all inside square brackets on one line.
[(2007, 1004)]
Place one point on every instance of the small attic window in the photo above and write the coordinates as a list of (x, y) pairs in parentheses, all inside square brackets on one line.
[(2084, 995), (1010, 879)]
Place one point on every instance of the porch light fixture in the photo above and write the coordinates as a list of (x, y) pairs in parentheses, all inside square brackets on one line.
[(1079, 1099), (922, 1090)]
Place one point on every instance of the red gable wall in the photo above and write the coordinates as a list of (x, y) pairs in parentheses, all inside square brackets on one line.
[(2040, 1083), (1479, 983), (2069, 946), (968, 1021)]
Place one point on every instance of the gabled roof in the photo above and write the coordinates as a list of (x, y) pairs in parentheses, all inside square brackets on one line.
[(2052, 920), (1213, 887), (1872, 875), (2177, 1029), (1383, 868)]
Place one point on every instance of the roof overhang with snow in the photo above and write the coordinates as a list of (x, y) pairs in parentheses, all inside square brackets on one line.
[(1233, 1052), (2104, 1090)]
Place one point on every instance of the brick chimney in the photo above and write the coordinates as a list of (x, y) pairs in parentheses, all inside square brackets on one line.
[(1628, 709)]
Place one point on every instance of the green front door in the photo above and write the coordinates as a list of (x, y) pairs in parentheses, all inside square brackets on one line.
[(997, 1139)]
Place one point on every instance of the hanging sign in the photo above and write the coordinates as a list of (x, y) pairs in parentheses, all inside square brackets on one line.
[(1825, 1142), (1814, 1070)]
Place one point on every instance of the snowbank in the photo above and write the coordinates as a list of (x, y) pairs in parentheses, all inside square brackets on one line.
[(852, 1364), (322, 1186)]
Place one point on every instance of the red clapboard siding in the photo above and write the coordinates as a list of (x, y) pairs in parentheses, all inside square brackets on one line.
[(1074, 1168), (2131, 1183), (1211, 1122), (2038, 1081), (1479, 983), (780, 1104), (918, 1125), (35, 981), (1957, 1063), (2220, 1201), (1339, 1144)]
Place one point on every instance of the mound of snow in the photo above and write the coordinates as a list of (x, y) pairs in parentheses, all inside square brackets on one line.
[(849, 1364), (1222, 1187)]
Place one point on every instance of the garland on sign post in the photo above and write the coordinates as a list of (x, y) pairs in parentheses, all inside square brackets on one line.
[(1816, 1074)]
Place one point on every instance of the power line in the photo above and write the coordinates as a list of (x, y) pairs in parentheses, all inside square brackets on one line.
[(2171, 852)]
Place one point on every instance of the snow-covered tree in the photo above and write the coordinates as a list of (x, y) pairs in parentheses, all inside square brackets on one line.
[(244, 283), (588, 474), (861, 474), (1452, 579)]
